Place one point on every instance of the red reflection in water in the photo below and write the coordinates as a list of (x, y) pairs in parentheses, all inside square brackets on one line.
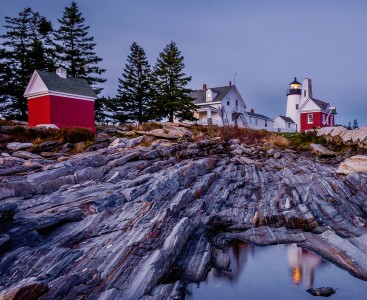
[(303, 264)]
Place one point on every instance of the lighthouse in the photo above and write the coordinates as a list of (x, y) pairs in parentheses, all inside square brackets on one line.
[(294, 95)]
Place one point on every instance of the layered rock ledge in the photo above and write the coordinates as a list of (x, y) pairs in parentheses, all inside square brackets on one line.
[(140, 219)]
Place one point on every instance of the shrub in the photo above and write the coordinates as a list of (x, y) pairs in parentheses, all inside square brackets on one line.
[(18, 131), (278, 141), (302, 140), (75, 135)]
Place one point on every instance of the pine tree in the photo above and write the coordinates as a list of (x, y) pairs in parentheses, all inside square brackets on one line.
[(171, 95), (76, 48), (134, 90), (355, 124), (27, 45)]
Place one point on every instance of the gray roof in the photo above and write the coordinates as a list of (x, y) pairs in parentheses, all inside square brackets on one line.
[(321, 104), (70, 85), (200, 95), (258, 116), (287, 119)]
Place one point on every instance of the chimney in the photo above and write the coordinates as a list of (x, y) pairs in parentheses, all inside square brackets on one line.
[(230, 83), (204, 87), (252, 110), (61, 72)]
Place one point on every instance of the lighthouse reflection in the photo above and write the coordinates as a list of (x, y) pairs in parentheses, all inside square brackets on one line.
[(302, 264)]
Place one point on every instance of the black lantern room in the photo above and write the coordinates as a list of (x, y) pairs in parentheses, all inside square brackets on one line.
[(295, 88)]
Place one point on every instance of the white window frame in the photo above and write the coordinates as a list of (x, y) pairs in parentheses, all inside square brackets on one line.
[(309, 118)]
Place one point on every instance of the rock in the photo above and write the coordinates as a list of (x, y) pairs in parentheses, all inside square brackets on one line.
[(27, 155), (160, 133), (277, 155), (6, 129), (356, 163), (48, 146), (15, 146), (5, 154), (322, 291), (17, 122), (340, 135), (3, 239), (321, 151), (220, 259), (126, 133), (359, 222), (48, 126), (66, 148), (270, 152), (51, 154), (140, 220), (126, 143), (30, 290)]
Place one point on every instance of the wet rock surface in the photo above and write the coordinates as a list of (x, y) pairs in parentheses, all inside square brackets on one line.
[(323, 291), (141, 218)]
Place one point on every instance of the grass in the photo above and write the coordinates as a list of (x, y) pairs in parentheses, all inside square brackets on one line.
[(145, 126), (302, 140), (37, 135)]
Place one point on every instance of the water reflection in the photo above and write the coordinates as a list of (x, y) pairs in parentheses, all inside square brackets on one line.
[(274, 272), (303, 265)]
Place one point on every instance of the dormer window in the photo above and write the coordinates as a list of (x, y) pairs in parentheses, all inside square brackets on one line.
[(209, 96)]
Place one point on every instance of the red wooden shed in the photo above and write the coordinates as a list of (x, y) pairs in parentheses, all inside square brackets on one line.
[(54, 98), (316, 114)]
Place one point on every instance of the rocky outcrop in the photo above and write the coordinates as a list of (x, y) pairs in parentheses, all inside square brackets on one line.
[(321, 151), (342, 136), (357, 163), (141, 218), (15, 146)]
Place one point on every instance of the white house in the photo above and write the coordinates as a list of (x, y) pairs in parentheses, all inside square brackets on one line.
[(219, 105), (284, 124), (258, 121)]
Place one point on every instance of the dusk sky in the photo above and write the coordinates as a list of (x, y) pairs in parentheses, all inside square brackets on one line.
[(267, 43)]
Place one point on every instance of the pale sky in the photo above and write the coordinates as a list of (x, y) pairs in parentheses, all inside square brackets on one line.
[(266, 42)]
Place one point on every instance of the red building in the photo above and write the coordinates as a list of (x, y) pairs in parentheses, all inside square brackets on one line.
[(57, 99), (316, 114)]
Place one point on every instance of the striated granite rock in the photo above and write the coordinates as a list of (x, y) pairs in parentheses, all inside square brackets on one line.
[(130, 221), (15, 146), (357, 163), (341, 135), (321, 151)]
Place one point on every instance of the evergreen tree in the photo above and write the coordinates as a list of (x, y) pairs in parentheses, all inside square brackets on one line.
[(134, 90), (355, 124), (27, 45), (349, 126), (171, 95), (76, 48)]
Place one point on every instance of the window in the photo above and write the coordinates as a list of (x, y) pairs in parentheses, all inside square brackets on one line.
[(304, 93), (289, 125), (236, 103), (227, 102), (266, 123), (310, 118), (256, 122), (297, 106)]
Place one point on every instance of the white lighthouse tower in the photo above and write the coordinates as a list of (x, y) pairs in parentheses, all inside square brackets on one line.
[(294, 101)]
